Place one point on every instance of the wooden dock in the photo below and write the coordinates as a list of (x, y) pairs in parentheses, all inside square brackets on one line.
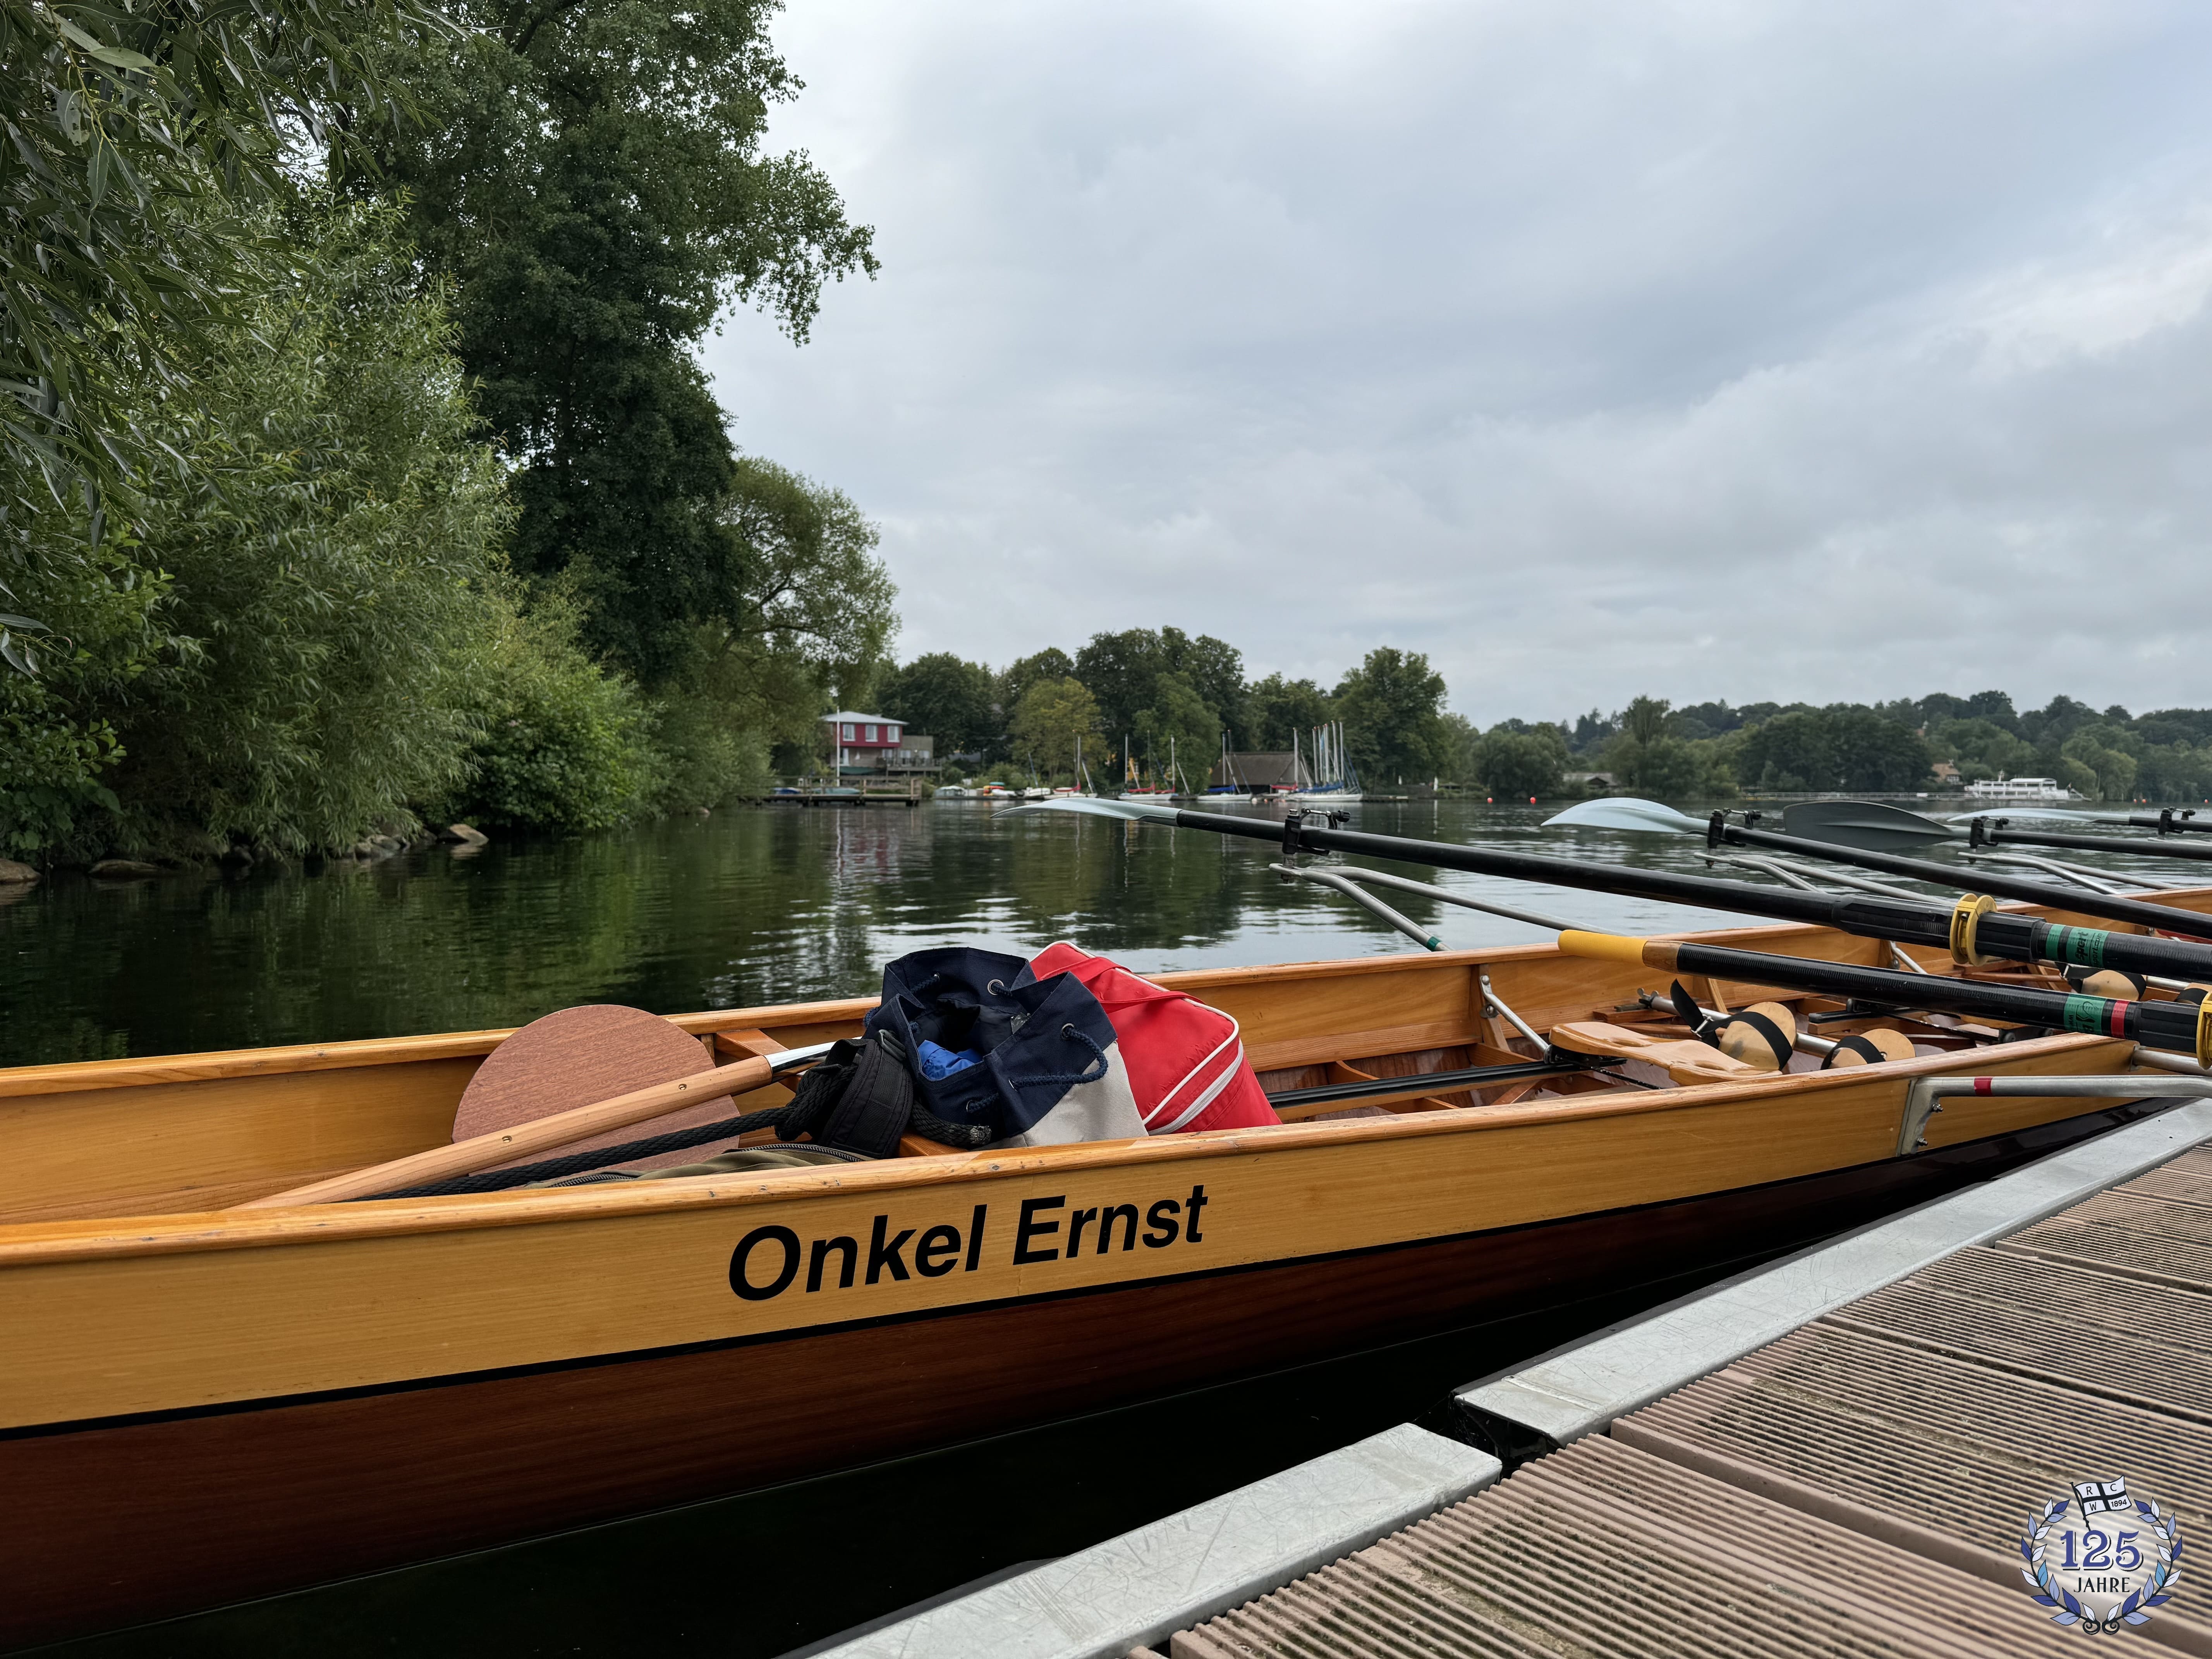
[(1858, 1486), (908, 793)]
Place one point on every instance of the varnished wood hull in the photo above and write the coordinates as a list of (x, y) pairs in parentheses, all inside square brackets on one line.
[(142, 1517)]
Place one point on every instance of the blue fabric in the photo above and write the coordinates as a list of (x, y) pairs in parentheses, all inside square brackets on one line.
[(1034, 1039), (939, 1062)]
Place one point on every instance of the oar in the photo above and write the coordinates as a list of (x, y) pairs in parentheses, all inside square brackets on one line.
[(1625, 814), (1972, 929), (1999, 832), (1877, 826), (560, 1129), (2177, 1027)]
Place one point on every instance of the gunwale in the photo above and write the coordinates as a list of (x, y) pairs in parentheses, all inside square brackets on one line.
[(27, 1243)]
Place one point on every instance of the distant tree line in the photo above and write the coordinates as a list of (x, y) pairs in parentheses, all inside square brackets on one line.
[(1711, 750), (1147, 686), (1137, 696)]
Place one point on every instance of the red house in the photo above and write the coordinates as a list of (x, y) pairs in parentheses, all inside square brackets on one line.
[(862, 742)]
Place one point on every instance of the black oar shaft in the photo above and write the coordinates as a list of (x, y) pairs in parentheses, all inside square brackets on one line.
[(1999, 834), (2164, 917), (2018, 938), (1665, 885), (2177, 1027), (2170, 822)]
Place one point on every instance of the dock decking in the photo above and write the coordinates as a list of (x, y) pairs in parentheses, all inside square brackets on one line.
[(1856, 1486)]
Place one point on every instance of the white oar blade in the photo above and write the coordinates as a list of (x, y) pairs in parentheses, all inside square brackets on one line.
[(1094, 806), (1626, 813)]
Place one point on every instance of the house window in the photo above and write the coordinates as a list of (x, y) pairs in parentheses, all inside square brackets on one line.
[(871, 734), (890, 734), (848, 730)]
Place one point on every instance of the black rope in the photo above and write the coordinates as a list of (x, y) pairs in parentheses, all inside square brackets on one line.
[(551, 1169)]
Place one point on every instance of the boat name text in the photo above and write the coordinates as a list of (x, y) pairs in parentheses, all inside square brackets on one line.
[(771, 1260)]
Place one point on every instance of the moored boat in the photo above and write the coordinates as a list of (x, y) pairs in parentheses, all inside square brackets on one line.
[(205, 1402)]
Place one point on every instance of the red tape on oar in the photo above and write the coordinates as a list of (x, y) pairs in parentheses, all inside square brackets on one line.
[(579, 1055)]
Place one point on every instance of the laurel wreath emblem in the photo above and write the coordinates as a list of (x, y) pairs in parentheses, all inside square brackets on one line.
[(2165, 1529)]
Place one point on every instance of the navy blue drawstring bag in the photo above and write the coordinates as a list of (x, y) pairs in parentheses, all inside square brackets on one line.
[(1033, 1061)]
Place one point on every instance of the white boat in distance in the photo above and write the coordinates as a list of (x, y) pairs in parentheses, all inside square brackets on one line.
[(2010, 790)]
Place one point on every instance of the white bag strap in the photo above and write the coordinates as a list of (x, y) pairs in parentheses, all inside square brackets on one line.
[(1213, 1090)]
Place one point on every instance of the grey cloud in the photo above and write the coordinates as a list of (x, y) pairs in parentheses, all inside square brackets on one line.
[(1743, 350)]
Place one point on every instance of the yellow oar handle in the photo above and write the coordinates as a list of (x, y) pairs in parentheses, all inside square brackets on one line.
[(1618, 947), (520, 1140)]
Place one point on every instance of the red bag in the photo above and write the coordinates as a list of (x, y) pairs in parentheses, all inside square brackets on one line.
[(1185, 1060)]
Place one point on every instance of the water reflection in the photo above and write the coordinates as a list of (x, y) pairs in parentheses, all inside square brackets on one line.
[(767, 905)]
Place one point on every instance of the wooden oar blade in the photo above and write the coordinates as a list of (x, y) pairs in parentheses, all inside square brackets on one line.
[(1872, 826), (578, 1055)]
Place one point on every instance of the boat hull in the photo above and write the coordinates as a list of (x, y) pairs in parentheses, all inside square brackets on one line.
[(149, 1515)]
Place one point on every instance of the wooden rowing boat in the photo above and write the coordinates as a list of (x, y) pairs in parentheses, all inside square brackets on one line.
[(203, 1403)]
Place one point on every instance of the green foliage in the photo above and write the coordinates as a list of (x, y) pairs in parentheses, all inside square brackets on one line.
[(1981, 748), (561, 745), (1516, 764), (593, 177), (2104, 751), (1014, 681), (1275, 708), (57, 742), (1670, 769), (276, 658), (325, 548), (1180, 726), (945, 697), (123, 125), (1392, 707), (1123, 671), (1049, 719), (1840, 747)]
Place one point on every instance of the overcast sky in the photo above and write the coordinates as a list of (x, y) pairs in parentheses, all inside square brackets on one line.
[(1758, 350)]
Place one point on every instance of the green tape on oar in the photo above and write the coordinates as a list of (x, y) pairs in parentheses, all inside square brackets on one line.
[(2100, 1016), (2081, 947)]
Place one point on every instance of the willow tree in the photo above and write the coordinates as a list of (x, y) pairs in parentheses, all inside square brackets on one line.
[(120, 125)]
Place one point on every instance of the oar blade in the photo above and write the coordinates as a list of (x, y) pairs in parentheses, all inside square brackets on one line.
[(1092, 807), (1626, 812), (1872, 826)]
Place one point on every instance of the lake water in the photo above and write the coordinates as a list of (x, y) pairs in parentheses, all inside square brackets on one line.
[(749, 906)]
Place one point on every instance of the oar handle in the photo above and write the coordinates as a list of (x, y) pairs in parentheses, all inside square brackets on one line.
[(520, 1140)]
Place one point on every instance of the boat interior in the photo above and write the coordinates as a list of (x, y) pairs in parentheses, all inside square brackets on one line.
[(1370, 1040)]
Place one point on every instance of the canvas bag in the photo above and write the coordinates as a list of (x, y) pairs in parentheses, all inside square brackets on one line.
[(1186, 1060), (1050, 1070)]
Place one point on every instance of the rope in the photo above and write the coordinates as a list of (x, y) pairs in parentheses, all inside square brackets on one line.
[(1091, 1073)]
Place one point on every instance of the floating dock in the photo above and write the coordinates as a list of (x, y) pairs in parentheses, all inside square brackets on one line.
[(1831, 1455)]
